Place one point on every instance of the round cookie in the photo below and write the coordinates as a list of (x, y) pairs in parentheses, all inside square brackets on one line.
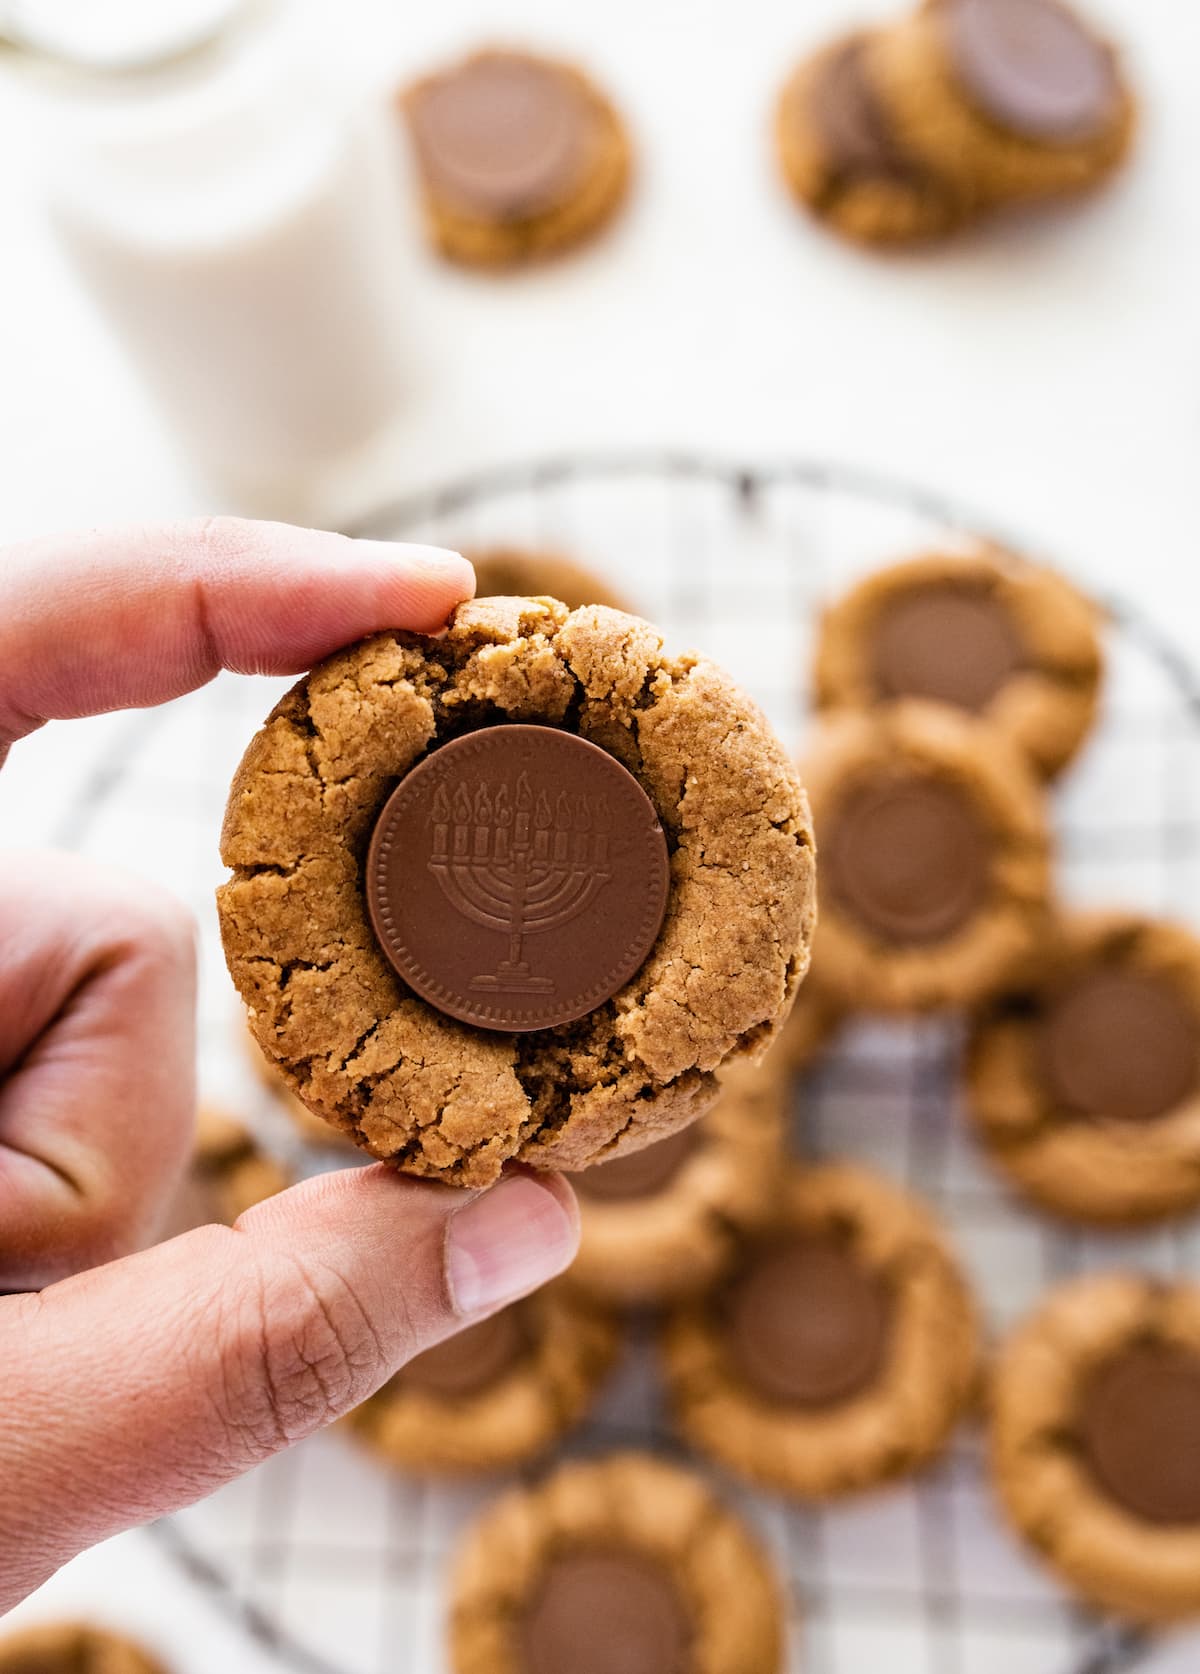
[(73, 1648), (517, 155), (514, 572), (229, 1174), (1084, 1081), (1095, 1415), (405, 1078), (624, 1565), (985, 632), (663, 1222), (498, 1393), (934, 857), (1019, 99), (843, 160), (841, 1349)]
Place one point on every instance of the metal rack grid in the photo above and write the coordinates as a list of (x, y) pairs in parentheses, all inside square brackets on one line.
[(337, 1564)]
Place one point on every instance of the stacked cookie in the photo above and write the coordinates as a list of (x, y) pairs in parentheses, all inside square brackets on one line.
[(905, 133)]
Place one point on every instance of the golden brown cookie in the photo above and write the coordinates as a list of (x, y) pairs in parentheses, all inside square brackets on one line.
[(663, 1222), (1015, 98), (841, 1349), (491, 889), (73, 1648), (622, 1563), (229, 1174), (517, 573), (934, 857), (518, 156), (843, 159), (1084, 1081), (496, 1395), (985, 632), (1096, 1414)]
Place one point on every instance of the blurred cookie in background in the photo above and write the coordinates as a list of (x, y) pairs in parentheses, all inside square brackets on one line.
[(498, 1393), (841, 1349), (934, 857), (73, 1648), (518, 156), (623, 1565), (985, 632), (843, 159), (1084, 1082), (1095, 1419), (511, 571), (662, 1222), (1019, 99), (229, 1173)]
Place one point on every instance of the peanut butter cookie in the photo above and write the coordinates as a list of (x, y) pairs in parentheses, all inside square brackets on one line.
[(518, 156), (934, 857), (516, 892), (73, 1648), (496, 1395), (985, 632), (626, 1564), (844, 160), (841, 1349), (1017, 99), (663, 1222), (1096, 1411), (1084, 1081), (512, 571)]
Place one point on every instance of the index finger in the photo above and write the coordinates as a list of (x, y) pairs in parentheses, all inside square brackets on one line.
[(124, 618)]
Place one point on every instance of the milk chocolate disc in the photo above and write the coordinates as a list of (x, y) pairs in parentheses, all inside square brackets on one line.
[(1139, 1427), (848, 116), (907, 857), (502, 134), (807, 1323), (1121, 1043), (469, 1362), (517, 877), (1033, 67), (643, 1173), (605, 1613), (954, 645)]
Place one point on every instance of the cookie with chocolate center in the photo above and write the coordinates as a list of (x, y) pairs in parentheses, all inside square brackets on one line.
[(624, 1565), (1095, 1414), (984, 632), (1018, 99), (838, 1352), (517, 892), (843, 159), (1083, 1081), (934, 857), (517, 156), (496, 1394), (663, 1222)]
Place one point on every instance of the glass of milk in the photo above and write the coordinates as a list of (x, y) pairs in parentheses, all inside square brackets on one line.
[(235, 208)]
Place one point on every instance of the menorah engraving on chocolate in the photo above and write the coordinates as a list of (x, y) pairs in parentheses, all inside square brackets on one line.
[(507, 860)]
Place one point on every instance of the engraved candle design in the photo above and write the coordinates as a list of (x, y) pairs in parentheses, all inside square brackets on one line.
[(518, 862)]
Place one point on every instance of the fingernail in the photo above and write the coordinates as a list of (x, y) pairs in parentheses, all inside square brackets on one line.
[(507, 1243), (439, 562)]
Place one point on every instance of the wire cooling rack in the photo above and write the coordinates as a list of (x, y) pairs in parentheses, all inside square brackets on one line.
[(337, 1563)]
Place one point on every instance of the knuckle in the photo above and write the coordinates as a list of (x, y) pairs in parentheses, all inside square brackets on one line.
[(302, 1351)]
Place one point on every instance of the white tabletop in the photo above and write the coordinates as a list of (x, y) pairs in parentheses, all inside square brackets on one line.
[(1046, 371)]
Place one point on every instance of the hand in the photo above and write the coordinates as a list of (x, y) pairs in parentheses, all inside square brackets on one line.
[(132, 1384)]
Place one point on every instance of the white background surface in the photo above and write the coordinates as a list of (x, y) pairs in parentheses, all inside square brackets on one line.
[(1046, 371)]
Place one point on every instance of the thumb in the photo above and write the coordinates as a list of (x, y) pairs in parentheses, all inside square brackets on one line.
[(143, 1385)]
